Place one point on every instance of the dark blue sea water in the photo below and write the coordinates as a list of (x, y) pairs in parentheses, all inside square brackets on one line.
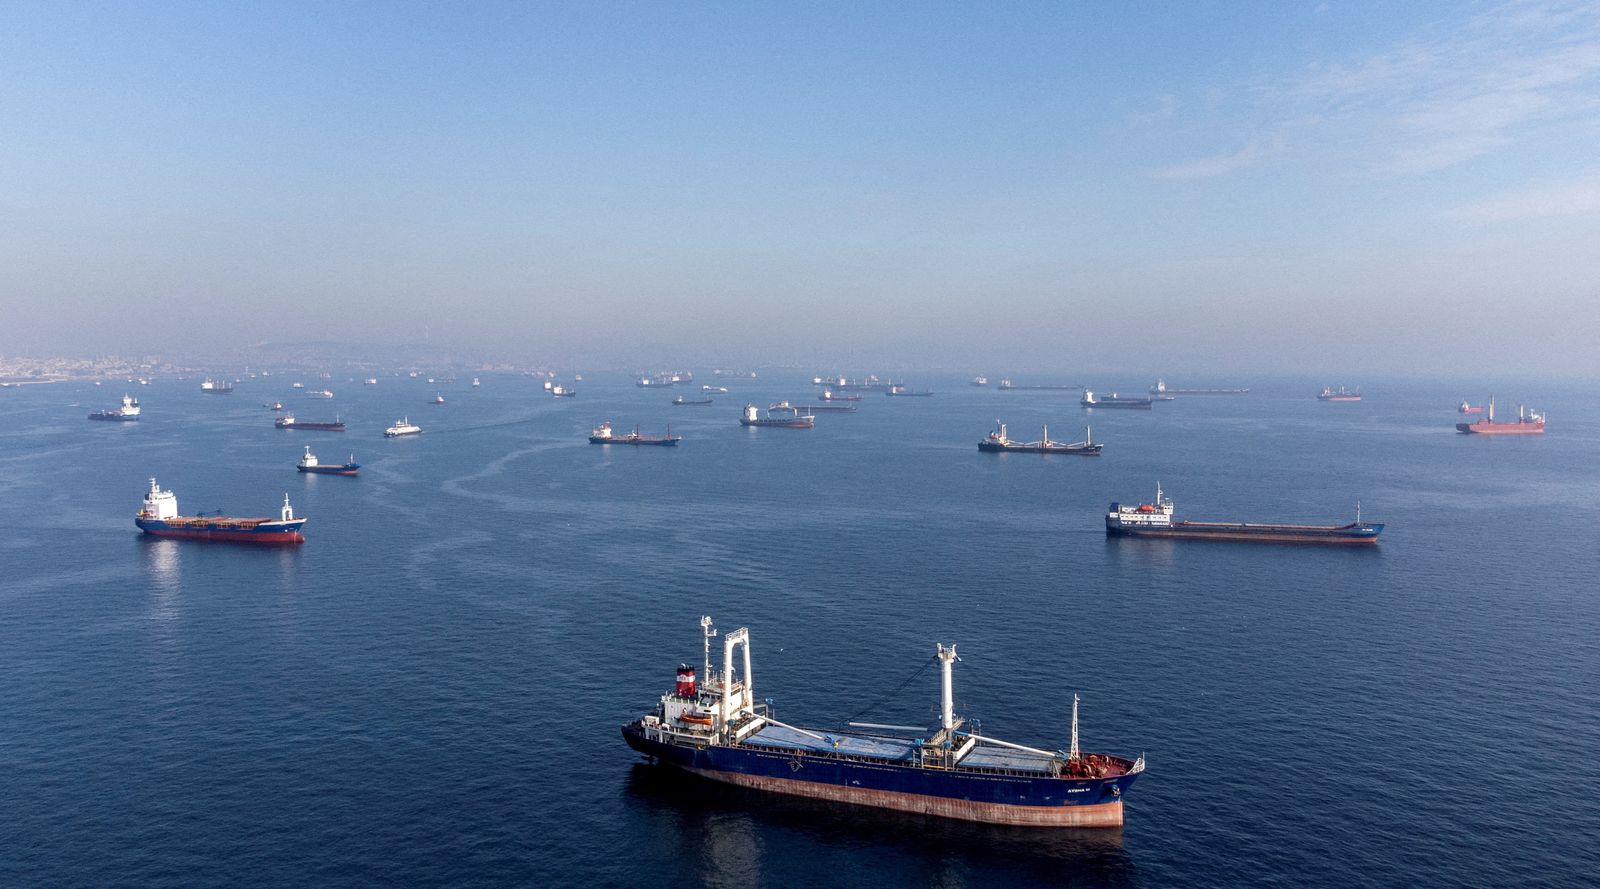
[(429, 690)]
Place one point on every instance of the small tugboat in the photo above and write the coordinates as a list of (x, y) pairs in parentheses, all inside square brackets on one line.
[(475, 383), (563, 392), (159, 518), (718, 729), (438, 398), (681, 401), (297, 385), (1465, 408), (276, 405), (752, 417), (1090, 400), (602, 434), (1527, 423), (1155, 520), (980, 381), (129, 412), (319, 393), (309, 463), (370, 381), (998, 443), (548, 385), (288, 421), (830, 395), (401, 427), (1341, 394)]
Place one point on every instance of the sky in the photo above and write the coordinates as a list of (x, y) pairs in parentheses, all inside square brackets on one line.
[(1324, 187)]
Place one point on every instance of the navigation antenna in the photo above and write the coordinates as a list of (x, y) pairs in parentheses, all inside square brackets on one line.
[(1074, 752), (1358, 512), (707, 631)]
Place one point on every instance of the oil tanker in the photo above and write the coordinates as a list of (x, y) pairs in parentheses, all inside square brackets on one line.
[(1155, 520), (159, 517), (1526, 423), (602, 434), (129, 412), (718, 729)]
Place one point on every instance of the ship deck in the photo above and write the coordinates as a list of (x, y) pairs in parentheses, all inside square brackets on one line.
[(898, 750)]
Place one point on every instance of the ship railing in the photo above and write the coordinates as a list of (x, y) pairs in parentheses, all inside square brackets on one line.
[(915, 761)]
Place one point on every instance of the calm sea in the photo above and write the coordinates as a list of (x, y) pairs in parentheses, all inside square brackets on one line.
[(429, 690)]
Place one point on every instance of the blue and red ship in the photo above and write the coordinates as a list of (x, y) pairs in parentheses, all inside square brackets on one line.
[(718, 730), (159, 517)]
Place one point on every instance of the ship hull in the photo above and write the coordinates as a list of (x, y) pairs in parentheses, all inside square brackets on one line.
[(1483, 428), (658, 442), (1122, 405), (1326, 536), (113, 418), (990, 447), (225, 530), (988, 798), (779, 424), (1338, 398), (348, 469), (312, 427)]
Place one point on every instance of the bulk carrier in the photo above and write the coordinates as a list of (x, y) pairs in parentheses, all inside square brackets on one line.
[(717, 729), (1155, 520), (1526, 423), (997, 442)]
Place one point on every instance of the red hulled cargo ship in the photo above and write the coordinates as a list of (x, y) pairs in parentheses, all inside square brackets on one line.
[(1527, 423)]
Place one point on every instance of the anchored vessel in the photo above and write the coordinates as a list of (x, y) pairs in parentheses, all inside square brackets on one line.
[(128, 412), (438, 398), (602, 434), (1465, 408), (216, 387), (830, 395), (309, 463), (288, 421), (159, 517), (1527, 423), (1341, 394), (717, 730), (1006, 384), (898, 389), (563, 392), (680, 400), (980, 381), (753, 417), (1160, 388), (1155, 520), (1114, 400), (997, 442), (401, 427)]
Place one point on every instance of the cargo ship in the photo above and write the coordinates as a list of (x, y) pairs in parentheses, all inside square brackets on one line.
[(1465, 408), (980, 381), (1155, 520), (717, 728), (309, 463), (319, 393), (998, 443), (1160, 388), (563, 392), (288, 421), (1527, 423), (402, 426), (216, 387), (602, 434), (1341, 394), (830, 395), (1114, 400), (1009, 386), (900, 390), (753, 417), (159, 517), (681, 401), (128, 412)]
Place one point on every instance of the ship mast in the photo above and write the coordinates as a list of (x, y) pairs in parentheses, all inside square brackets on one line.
[(1074, 752), (947, 709), (707, 631)]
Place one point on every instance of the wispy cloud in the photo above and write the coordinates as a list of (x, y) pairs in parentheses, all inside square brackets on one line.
[(1579, 196), (1464, 88), (1216, 165)]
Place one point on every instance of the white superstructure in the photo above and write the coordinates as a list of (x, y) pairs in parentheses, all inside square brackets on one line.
[(402, 426), (159, 504), (1145, 515)]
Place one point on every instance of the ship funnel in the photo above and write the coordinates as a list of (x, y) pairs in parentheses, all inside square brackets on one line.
[(947, 711)]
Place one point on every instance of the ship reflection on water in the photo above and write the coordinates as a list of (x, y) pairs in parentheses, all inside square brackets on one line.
[(753, 838)]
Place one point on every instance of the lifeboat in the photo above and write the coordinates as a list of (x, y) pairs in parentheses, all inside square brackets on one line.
[(695, 717)]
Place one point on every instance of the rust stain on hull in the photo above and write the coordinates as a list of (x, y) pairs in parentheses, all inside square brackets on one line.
[(1097, 815)]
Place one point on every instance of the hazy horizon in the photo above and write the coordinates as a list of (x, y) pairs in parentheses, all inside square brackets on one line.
[(1338, 189)]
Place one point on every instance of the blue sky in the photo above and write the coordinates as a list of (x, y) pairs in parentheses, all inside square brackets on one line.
[(1309, 186)]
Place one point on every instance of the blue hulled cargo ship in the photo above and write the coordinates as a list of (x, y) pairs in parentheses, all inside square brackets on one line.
[(717, 730), (159, 518)]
